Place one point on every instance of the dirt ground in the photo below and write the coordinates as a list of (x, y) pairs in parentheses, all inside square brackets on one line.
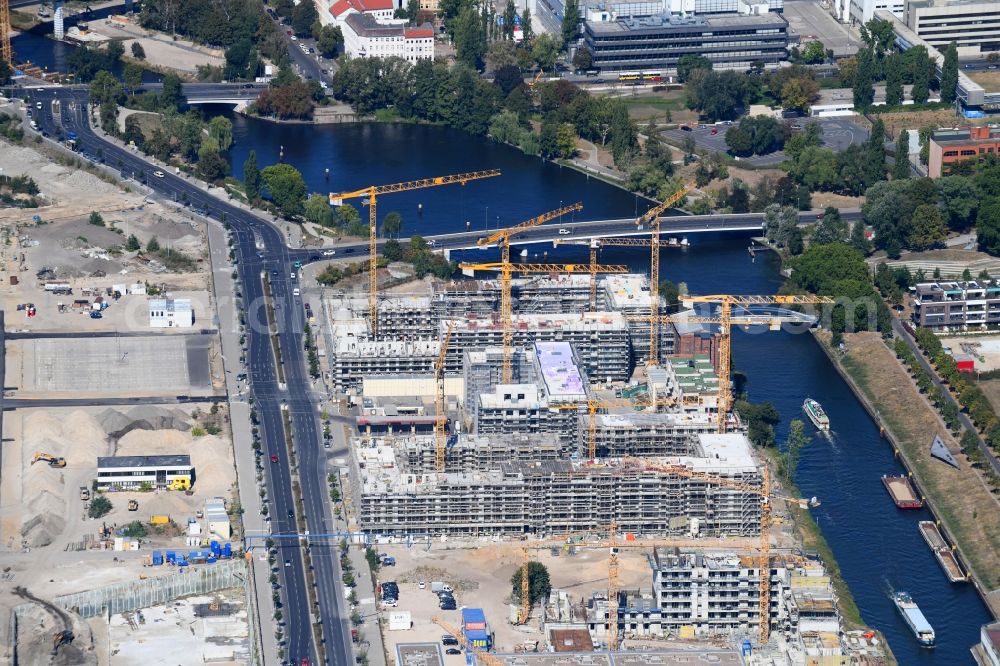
[(990, 80), (485, 582), (985, 350), (917, 119), (960, 496), (161, 50)]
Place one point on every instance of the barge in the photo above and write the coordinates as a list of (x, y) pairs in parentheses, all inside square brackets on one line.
[(902, 492), (915, 620), (945, 555)]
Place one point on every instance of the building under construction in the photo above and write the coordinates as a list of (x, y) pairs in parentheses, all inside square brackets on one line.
[(488, 495)]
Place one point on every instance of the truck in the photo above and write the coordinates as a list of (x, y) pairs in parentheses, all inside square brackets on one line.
[(440, 586)]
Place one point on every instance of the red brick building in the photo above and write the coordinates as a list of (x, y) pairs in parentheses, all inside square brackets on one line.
[(948, 146)]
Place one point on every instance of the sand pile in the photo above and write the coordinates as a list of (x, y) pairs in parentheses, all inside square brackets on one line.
[(76, 436), (35, 630), (47, 521), (145, 417)]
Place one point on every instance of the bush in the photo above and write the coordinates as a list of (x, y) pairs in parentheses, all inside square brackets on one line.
[(100, 506), (135, 529), (96, 219)]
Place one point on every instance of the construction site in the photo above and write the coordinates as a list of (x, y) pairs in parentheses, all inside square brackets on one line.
[(555, 413)]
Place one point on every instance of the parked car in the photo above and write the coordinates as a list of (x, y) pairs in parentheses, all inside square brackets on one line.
[(452, 650), (96, 315)]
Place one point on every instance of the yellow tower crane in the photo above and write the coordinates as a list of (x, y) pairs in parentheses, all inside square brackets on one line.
[(502, 238), (764, 551), (371, 193), (725, 321), (613, 586), (440, 413), (652, 217), (506, 316), (486, 658)]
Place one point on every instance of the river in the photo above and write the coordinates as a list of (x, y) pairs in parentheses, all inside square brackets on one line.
[(878, 547)]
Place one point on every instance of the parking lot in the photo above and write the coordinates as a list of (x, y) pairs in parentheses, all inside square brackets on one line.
[(838, 134), (811, 21)]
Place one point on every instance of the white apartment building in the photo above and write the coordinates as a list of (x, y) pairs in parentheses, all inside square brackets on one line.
[(364, 37), (337, 12)]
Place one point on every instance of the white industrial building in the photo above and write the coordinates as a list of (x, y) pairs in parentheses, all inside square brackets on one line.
[(171, 313), (131, 472), (217, 519)]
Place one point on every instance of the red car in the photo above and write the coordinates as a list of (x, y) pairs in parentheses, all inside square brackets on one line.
[(274, 457), (715, 130)]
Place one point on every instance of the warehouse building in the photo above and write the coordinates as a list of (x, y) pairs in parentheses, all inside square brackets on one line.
[(171, 313), (549, 497), (138, 472)]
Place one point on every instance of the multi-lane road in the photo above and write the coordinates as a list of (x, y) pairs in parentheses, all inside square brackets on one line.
[(272, 400)]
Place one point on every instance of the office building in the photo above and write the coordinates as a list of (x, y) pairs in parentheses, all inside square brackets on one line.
[(658, 42), (948, 146), (171, 313), (956, 306), (974, 25), (138, 472)]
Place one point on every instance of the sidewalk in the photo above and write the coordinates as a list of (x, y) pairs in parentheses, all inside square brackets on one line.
[(239, 417)]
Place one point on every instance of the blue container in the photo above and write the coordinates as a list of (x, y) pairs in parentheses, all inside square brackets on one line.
[(182, 563), (211, 560), (157, 558), (216, 548), (227, 550), (171, 557)]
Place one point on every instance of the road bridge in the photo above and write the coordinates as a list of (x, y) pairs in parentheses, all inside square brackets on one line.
[(215, 93)]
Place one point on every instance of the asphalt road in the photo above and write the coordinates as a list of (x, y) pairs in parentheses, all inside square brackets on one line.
[(270, 397)]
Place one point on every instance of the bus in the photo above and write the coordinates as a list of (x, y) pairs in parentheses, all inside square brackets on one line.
[(640, 77)]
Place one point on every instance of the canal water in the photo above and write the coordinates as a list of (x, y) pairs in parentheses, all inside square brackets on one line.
[(878, 547)]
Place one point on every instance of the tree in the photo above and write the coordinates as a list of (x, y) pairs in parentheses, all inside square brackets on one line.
[(864, 80), (303, 17), (211, 166), (760, 419), (799, 94), (583, 59), (959, 201), (132, 244), (831, 270), (172, 93), (220, 128), (988, 226), (876, 148), (153, 245), (500, 54), (878, 35), (719, 95), (901, 165), (814, 53), (797, 439), (539, 585), (949, 74), (105, 88), (688, 63), (928, 227), (138, 52), (545, 51), (757, 135), (509, 18), (922, 70), (286, 187), (96, 219), (392, 224), (251, 176), (329, 40), (894, 80), (831, 229), (507, 77), (317, 210), (100, 506), (527, 31), (132, 76), (469, 37), (570, 21)]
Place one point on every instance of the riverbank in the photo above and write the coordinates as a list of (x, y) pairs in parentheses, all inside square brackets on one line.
[(958, 498)]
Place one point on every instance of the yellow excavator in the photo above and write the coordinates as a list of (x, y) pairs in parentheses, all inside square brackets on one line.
[(53, 461)]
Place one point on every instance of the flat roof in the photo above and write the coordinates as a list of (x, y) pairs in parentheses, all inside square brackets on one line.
[(691, 23), (180, 460), (559, 370), (171, 304)]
